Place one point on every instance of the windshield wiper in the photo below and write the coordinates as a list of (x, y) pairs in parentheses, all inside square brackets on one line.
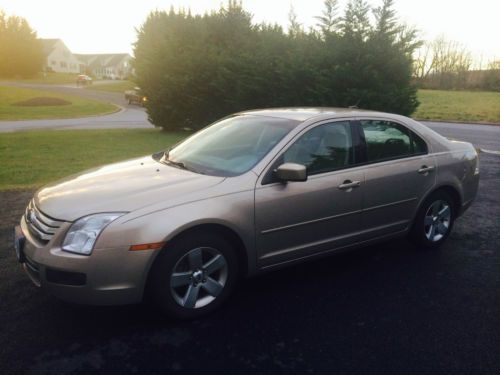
[(177, 164)]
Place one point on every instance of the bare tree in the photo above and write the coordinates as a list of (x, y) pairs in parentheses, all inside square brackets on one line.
[(424, 63), (442, 62)]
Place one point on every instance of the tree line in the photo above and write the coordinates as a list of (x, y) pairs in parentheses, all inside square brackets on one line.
[(197, 68), (446, 64)]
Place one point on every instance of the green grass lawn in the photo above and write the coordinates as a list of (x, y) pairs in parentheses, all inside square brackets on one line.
[(117, 86), (31, 159), (79, 107), (474, 106)]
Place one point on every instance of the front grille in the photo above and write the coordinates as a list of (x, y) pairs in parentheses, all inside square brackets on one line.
[(41, 226)]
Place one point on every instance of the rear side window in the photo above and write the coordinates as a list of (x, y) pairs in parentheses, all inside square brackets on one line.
[(389, 140)]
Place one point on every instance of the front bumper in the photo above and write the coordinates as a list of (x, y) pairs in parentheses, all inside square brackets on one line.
[(111, 276)]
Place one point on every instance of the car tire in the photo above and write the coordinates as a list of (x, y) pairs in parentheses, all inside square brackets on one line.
[(194, 275), (434, 221)]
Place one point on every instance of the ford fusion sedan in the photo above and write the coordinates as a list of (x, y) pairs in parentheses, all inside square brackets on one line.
[(254, 191)]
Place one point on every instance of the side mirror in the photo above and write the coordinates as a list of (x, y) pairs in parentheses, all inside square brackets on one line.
[(291, 172)]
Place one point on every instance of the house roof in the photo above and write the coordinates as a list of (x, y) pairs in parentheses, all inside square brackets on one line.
[(102, 60), (48, 45)]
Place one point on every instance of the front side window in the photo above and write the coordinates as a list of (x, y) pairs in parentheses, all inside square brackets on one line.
[(389, 140), (419, 145), (231, 146), (324, 148)]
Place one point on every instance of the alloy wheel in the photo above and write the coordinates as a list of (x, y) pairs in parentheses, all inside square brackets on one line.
[(198, 277), (437, 220)]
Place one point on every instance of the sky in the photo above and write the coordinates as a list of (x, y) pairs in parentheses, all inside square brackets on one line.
[(108, 26)]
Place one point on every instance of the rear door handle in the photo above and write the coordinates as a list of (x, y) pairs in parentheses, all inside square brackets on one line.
[(425, 169), (348, 185)]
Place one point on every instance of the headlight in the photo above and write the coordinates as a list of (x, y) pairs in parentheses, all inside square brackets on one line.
[(83, 233)]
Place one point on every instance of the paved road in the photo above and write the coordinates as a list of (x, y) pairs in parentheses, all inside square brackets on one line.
[(129, 116), (483, 136)]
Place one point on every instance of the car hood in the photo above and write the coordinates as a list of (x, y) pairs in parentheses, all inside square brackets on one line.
[(119, 187)]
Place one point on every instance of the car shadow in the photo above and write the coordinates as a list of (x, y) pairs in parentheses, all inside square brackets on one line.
[(311, 282), (269, 323)]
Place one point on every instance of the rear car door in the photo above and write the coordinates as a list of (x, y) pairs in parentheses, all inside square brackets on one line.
[(399, 172), (298, 219)]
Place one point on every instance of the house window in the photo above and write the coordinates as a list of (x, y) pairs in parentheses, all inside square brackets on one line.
[(53, 62), (63, 64)]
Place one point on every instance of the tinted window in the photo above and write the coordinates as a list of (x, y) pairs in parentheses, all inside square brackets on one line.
[(386, 140), (419, 146), (324, 148)]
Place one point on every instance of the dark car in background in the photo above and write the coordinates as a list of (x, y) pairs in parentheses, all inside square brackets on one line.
[(135, 97)]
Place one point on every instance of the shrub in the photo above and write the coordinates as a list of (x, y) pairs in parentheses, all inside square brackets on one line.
[(195, 69)]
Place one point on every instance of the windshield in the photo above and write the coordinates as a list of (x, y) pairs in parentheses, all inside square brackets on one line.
[(229, 147)]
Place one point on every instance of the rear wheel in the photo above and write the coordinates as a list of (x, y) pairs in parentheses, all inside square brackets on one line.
[(434, 220), (194, 276)]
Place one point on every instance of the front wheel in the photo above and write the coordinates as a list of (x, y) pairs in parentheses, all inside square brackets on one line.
[(434, 220), (194, 276)]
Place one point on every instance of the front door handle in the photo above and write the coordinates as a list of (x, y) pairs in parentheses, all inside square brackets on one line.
[(424, 169), (349, 185)]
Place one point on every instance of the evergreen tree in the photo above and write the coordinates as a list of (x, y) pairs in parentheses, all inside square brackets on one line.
[(329, 20), (295, 27), (356, 22), (195, 69)]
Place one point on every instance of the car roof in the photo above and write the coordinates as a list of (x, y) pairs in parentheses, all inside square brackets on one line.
[(306, 113)]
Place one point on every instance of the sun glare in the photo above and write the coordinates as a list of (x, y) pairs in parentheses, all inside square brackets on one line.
[(109, 26)]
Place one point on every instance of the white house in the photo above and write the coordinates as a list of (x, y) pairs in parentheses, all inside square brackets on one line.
[(61, 60), (58, 58), (109, 65)]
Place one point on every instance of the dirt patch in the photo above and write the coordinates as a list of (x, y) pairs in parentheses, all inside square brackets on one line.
[(42, 102)]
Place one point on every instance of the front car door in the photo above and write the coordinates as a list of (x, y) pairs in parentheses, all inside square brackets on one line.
[(399, 172), (299, 219)]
